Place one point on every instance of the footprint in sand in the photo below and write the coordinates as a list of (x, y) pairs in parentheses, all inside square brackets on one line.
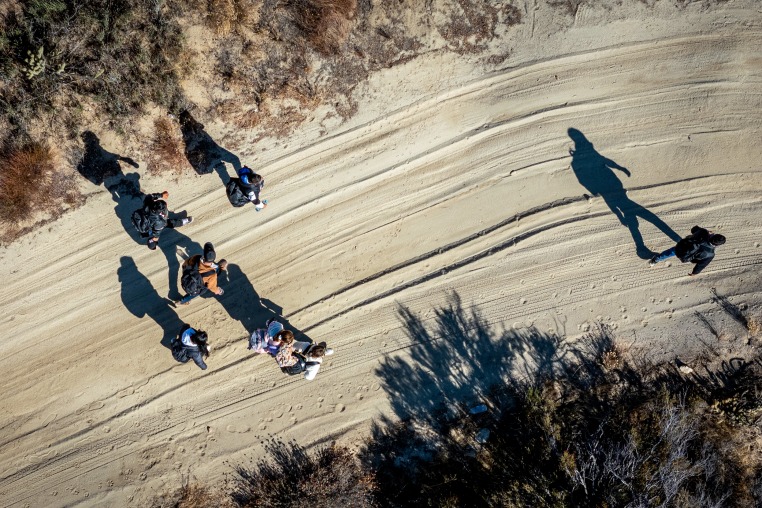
[(340, 408), (238, 429)]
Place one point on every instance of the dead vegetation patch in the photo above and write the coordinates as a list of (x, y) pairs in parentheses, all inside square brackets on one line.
[(326, 23), (167, 151), (471, 25), (31, 184)]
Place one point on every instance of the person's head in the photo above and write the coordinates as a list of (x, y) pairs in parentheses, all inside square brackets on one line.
[(200, 339), (284, 337), (209, 255), (159, 207), (318, 351), (249, 177), (717, 240)]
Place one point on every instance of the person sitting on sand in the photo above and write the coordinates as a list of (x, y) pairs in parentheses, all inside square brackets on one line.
[(200, 274), (190, 345), (269, 340), (153, 218), (306, 358), (245, 189)]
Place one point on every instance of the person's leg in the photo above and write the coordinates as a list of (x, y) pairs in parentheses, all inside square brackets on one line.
[(301, 346), (664, 255), (187, 298)]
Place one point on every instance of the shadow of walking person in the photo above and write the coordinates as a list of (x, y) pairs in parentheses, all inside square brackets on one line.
[(101, 167), (173, 243), (595, 173), (202, 152), (243, 304), (141, 299), (97, 164)]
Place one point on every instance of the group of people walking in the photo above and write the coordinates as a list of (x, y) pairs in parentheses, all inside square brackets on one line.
[(200, 273)]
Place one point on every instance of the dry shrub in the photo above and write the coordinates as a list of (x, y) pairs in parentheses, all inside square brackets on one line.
[(167, 147), (27, 182), (327, 23), (224, 16), (473, 24), (291, 476), (193, 496)]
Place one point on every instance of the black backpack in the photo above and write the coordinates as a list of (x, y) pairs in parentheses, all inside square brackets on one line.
[(140, 221), (300, 365), (191, 281), (687, 248), (235, 193)]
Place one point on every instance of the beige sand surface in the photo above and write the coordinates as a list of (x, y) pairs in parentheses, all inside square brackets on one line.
[(452, 179)]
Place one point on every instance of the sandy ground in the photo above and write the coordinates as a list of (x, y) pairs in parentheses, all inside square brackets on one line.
[(451, 182)]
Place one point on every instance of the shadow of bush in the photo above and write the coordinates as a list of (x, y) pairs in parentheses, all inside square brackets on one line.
[(560, 428)]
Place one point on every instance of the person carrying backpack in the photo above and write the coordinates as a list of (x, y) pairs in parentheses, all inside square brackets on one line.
[(270, 340), (200, 274), (153, 218), (306, 359), (245, 189), (698, 248), (191, 345)]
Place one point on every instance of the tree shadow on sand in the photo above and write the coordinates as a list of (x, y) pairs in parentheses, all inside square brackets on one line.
[(202, 152), (595, 173), (544, 396), (141, 299)]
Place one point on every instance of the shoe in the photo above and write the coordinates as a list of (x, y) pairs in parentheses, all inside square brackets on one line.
[(653, 261), (187, 220), (329, 351), (223, 264), (180, 302)]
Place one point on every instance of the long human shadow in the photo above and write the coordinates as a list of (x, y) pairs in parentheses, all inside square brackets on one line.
[(172, 244), (596, 173), (202, 152), (101, 167), (141, 299), (242, 303)]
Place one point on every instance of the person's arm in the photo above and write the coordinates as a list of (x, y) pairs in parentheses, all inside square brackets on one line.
[(702, 264), (613, 165), (199, 359), (312, 370)]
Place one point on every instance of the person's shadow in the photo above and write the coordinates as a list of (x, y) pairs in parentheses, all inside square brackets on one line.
[(101, 167), (242, 303), (595, 173), (171, 242), (141, 299), (202, 152)]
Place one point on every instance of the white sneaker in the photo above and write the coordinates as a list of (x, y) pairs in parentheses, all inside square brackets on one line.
[(329, 351), (187, 220)]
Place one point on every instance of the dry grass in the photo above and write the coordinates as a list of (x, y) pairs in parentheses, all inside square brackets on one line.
[(226, 16), (167, 147), (27, 177), (31, 187), (327, 23)]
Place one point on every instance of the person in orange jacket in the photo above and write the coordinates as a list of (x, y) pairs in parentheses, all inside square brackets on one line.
[(200, 274)]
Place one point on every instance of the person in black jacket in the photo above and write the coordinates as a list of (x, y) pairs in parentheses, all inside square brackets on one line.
[(191, 345), (698, 248), (246, 189), (156, 215)]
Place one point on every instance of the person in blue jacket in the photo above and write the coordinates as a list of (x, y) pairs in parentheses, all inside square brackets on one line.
[(191, 345)]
